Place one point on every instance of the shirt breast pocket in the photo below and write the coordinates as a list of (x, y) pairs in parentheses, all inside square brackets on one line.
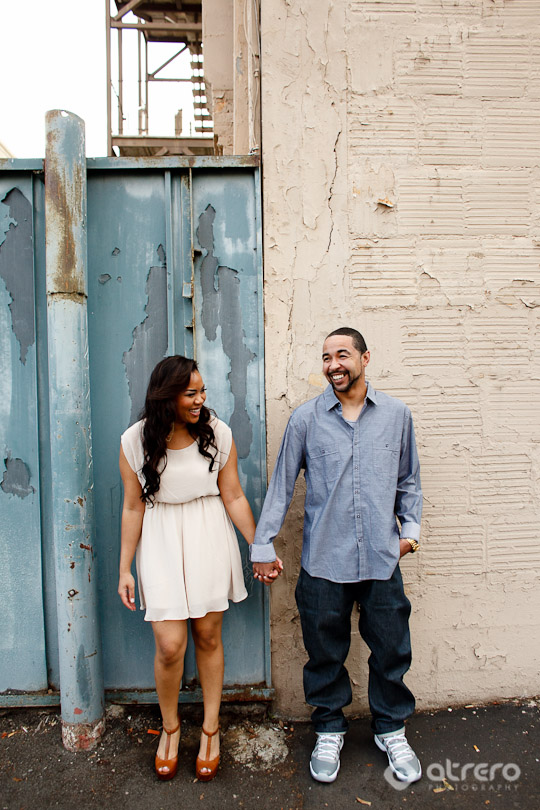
[(325, 463), (386, 461)]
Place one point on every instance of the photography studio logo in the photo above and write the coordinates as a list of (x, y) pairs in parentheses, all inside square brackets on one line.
[(471, 776)]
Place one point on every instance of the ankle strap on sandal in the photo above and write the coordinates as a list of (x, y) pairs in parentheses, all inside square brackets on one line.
[(211, 734), (172, 731)]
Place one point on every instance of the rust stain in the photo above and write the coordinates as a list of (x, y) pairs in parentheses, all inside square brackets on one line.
[(83, 545), (238, 693), (65, 201), (245, 696)]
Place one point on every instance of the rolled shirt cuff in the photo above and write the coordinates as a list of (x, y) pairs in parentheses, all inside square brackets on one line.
[(262, 553), (411, 530)]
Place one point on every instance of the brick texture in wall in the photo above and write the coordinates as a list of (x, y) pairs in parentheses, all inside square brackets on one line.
[(452, 251)]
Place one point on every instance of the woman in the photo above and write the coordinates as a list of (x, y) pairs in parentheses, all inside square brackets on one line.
[(181, 490)]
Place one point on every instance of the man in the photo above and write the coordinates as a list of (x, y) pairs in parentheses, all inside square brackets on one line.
[(358, 451)]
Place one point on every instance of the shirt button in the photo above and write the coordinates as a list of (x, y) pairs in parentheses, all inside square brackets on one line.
[(356, 491), (356, 466), (358, 516)]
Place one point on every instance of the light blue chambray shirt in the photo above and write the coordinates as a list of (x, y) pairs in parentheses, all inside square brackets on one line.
[(360, 477)]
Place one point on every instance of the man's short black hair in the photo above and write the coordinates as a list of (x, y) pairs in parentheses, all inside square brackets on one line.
[(358, 341)]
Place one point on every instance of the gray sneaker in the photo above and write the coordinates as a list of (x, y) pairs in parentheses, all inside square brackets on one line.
[(403, 761), (324, 764)]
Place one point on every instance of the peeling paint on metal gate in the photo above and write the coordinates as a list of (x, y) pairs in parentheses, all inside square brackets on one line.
[(174, 266), (22, 640)]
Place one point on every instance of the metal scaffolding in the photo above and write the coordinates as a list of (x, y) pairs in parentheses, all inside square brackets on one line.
[(156, 21)]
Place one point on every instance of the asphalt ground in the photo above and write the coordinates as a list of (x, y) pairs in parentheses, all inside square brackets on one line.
[(472, 757)]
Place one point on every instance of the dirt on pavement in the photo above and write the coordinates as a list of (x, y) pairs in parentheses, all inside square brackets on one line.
[(472, 757)]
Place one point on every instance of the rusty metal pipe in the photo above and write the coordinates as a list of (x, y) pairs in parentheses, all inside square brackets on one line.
[(81, 678)]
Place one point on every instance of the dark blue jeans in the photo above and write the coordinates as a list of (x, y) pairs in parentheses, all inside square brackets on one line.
[(325, 612)]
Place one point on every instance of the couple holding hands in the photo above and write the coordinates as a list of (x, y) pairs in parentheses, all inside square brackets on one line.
[(362, 513)]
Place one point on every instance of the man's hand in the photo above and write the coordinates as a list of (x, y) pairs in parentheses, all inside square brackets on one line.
[(267, 572), (404, 548)]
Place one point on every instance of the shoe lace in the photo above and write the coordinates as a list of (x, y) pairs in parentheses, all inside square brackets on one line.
[(328, 747), (398, 748)]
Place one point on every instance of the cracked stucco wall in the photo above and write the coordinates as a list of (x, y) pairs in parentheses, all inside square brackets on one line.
[(401, 193)]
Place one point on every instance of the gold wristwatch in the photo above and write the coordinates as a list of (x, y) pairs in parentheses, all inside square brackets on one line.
[(414, 544)]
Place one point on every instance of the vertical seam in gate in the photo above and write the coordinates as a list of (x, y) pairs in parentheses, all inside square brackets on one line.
[(192, 263), (171, 265), (187, 264), (262, 403)]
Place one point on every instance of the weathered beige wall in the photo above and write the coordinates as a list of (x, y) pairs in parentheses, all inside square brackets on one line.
[(218, 46), (401, 162), (231, 74)]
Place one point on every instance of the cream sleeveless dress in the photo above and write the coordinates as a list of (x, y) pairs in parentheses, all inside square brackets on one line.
[(188, 560)]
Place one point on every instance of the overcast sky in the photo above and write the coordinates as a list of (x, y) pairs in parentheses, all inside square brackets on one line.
[(53, 57)]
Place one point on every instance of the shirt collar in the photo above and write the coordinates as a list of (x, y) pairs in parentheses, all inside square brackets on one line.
[(331, 400)]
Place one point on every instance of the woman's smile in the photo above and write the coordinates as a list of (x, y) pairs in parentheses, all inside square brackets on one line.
[(190, 401)]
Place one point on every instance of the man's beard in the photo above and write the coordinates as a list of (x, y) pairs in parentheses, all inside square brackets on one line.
[(348, 386)]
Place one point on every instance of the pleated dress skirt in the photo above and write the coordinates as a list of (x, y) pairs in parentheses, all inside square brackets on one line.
[(188, 560)]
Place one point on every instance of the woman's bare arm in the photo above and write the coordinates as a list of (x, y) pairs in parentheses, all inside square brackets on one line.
[(239, 510), (132, 517), (233, 497)]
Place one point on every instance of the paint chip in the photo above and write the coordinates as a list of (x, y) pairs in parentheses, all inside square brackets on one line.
[(16, 480), (17, 265)]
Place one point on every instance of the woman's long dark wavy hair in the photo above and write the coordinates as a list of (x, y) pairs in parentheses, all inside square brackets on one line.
[(169, 378)]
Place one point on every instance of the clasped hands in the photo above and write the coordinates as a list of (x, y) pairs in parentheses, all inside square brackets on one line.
[(268, 572)]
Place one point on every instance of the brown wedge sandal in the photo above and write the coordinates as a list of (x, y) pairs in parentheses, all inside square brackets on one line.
[(171, 764), (210, 765)]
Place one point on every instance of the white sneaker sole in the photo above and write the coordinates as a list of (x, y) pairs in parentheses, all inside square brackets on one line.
[(396, 773), (324, 777)]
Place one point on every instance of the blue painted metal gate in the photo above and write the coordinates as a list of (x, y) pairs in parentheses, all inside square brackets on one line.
[(174, 266)]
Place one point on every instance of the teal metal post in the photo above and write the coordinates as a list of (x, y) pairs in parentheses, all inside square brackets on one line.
[(81, 677)]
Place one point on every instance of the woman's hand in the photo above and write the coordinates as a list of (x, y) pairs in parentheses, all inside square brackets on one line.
[(126, 590), (268, 572)]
